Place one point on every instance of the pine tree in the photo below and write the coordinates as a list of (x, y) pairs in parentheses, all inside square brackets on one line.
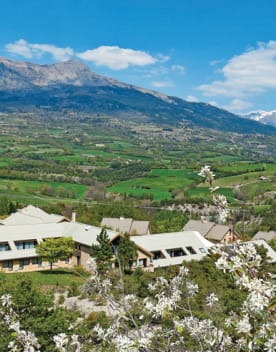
[(126, 252), (102, 252)]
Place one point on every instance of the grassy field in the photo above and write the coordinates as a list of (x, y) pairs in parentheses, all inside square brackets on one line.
[(242, 179), (31, 187), (159, 183), (58, 278), (246, 167)]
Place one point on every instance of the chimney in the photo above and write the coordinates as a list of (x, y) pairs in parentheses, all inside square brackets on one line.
[(73, 219)]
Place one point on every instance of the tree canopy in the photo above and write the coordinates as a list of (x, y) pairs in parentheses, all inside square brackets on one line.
[(55, 249), (126, 252)]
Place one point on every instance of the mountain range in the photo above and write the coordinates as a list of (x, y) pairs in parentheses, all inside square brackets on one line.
[(72, 86), (265, 117)]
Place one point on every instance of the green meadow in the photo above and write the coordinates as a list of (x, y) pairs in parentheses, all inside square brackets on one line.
[(158, 183), (33, 187)]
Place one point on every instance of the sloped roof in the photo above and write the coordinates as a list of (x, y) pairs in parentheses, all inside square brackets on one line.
[(165, 241), (31, 215), (264, 235), (139, 227), (24, 232), (217, 232), (85, 234), (200, 226), (271, 254), (126, 225)]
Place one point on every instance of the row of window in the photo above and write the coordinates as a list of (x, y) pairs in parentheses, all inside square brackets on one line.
[(4, 246), (8, 264), (25, 244), (176, 252)]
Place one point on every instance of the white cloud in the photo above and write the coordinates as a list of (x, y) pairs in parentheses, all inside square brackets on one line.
[(238, 105), (117, 58), (155, 71), (28, 50), (191, 98), (114, 57), (160, 84), (163, 58), (179, 69), (21, 48), (247, 74)]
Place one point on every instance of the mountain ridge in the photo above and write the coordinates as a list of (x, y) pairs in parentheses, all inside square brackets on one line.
[(262, 116), (72, 86)]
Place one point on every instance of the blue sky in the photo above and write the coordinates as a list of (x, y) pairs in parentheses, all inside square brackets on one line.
[(221, 52)]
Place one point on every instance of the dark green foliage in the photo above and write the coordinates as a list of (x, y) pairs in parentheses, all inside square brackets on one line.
[(7, 206), (35, 312), (210, 279), (126, 252), (169, 221), (102, 252), (272, 243)]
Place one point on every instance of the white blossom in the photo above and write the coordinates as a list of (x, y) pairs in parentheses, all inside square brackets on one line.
[(207, 174), (244, 326), (211, 299), (270, 344), (61, 340), (192, 289)]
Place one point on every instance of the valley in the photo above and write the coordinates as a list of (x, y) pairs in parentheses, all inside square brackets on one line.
[(88, 159)]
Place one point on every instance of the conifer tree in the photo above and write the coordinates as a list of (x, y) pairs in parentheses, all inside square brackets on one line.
[(102, 252)]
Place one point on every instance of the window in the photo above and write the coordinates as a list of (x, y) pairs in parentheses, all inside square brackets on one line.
[(191, 250), (202, 250), (26, 244), (143, 262), (4, 246), (77, 246), (36, 261), (7, 264), (24, 262), (176, 252), (157, 255)]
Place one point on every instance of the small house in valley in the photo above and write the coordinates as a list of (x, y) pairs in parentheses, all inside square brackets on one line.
[(127, 225), (212, 231), (262, 235)]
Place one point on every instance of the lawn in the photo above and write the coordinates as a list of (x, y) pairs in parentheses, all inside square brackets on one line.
[(58, 277)]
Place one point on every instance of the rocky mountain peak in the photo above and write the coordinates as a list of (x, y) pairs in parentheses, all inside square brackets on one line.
[(18, 75), (72, 86)]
